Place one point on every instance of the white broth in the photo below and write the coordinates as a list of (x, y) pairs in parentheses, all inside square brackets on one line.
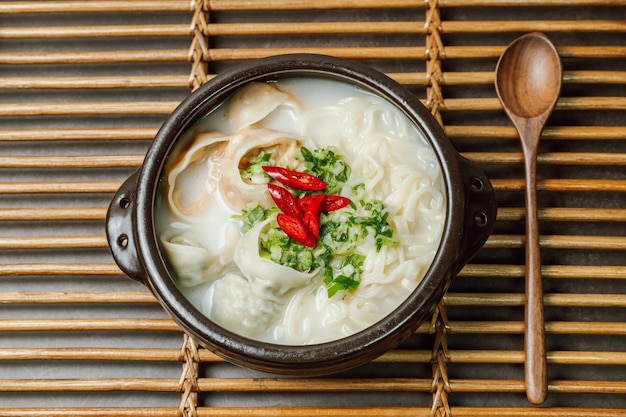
[(220, 229)]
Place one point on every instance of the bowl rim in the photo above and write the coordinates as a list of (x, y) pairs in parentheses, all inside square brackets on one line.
[(316, 358)]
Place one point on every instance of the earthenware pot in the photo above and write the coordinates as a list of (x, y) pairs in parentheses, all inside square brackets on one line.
[(470, 217)]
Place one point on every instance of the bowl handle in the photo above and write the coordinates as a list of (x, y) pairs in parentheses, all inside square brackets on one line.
[(481, 210), (120, 230)]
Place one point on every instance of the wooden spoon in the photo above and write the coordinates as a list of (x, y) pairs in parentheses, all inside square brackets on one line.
[(528, 83)]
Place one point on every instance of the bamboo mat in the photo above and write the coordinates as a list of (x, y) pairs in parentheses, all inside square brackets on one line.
[(84, 85)]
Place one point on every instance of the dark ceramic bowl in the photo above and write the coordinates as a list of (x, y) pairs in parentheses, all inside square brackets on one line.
[(470, 216)]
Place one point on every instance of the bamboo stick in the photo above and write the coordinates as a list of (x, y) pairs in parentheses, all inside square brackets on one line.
[(295, 385), (552, 300), (548, 158), (406, 412), (563, 214), (100, 82), (313, 28), (91, 354), (232, 5), (587, 358), (235, 5), (564, 103), (504, 26), (553, 327), (547, 271), (526, 3), (53, 214), (474, 52), (91, 412), (594, 77), (554, 357), (96, 31), (71, 161), (397, 385), (316, 28), (62, 269), (218, 29), (93, 57), (174, 355), (459, 78), (53, 242), (578, 387), (77, 297), (53, 134), (405, 355), (50, 187), (83, 109), (89, 385), (390, 52), (487, 78), (588, 387), (93, 324), (106, 354), (122, 354), (586, 328), (314, 385), (404, 52), (97, 6), (549, 133), (585, 271), (537, 412), (562, 185), (592, 103), (560, 242)]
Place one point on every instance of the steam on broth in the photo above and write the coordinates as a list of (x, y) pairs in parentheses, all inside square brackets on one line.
[(308, 266)]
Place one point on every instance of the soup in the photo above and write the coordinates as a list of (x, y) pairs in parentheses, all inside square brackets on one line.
[(300, 211)]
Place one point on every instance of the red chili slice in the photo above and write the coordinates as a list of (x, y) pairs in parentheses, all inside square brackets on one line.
[(296, 230), (334, 202), (312, 223), (311, 216), (285, 201), (297, 180), (331, 202)]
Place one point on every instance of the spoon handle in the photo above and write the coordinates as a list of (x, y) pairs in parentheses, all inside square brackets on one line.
[(535, 367)]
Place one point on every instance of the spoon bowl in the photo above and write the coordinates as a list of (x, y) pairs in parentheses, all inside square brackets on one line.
[(528, 83), (528, 77)]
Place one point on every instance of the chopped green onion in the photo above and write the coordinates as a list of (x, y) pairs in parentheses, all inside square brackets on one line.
[(254, 215), (325, 164)]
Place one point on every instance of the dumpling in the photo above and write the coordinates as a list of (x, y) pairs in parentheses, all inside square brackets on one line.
[(193, 263), (252, 103), (265, 275), (237, 192), (236, 306), (192, 179)]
